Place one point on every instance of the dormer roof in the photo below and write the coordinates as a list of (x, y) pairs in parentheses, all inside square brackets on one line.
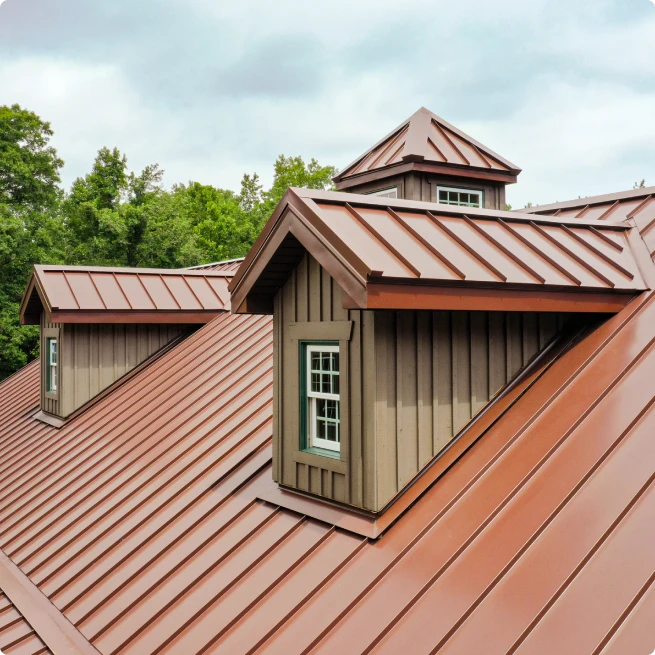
[(91, 294), (427, 142), (399, 254)]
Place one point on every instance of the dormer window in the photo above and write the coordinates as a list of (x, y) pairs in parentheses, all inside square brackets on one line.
[(391, 192), (321, 403), (51, 354), (461, 197)]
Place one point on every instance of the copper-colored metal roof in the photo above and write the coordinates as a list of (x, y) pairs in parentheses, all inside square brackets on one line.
[(139, 520), (426, 138), (92, 294), (16, 634), (227, 266), (391, 254), (637, 207)]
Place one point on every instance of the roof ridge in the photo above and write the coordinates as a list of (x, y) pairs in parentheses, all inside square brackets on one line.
[(47, 621), (630, 194)]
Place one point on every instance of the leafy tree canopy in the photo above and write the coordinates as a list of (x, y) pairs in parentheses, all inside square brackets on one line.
[(115, 217), (29, 166)]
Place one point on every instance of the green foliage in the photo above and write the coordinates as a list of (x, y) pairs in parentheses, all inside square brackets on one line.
[(31, 229), (115, 217), (29, 167), (640, 185)]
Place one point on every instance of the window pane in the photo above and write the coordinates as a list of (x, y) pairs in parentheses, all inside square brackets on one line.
[(316, 382), (332, 434), (443, 196), (316, 361), (335, 361)]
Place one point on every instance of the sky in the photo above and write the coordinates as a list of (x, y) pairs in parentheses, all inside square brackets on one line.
[(211, 89)]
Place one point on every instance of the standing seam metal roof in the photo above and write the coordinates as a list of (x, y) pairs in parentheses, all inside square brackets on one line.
[(70, 291), (426, 137), (140, 519), (636, 207)]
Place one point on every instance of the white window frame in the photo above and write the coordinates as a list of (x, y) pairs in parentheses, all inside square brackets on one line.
[(385, 193), (449, 189), (52, 362), (313, 441)]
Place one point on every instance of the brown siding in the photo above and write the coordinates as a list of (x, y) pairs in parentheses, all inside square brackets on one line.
[(415, 185), (92, 357), (311, 296), (435, 371), (48, 402), (410, 382)]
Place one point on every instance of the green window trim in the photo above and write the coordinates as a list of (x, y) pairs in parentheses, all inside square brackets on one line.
[(320, 407)]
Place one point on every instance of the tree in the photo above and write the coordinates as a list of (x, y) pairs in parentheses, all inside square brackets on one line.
[(31, 230), (29, 166), (115, 217), (640, 185)]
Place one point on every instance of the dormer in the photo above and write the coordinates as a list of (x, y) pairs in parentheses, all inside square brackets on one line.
[(425, 158), (100, 324), (396, 323)]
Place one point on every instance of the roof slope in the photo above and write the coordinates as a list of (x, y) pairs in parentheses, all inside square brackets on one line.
[(425, 137), (140, 518), (636, 206), (16, 634), (450, 249), (91, 293), (226, 266)]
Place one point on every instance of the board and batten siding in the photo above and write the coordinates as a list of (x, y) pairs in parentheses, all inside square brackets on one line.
[(94, 356), (312, 296), (435, 371), (49, 402), (410, 380)]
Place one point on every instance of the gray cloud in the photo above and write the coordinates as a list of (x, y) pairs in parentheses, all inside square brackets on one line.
[(211, 90)]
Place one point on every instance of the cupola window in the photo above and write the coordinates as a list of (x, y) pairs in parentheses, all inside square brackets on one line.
[(321, 390), (461, 197), (391, 192)]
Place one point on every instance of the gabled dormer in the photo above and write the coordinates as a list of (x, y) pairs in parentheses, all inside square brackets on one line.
[(396, 323), (426, 158), (100, 324)]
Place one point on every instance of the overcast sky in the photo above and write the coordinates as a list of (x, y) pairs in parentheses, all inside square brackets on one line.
[(211, 89)]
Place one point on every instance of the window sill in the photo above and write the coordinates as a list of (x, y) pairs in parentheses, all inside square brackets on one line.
[(323, 459), (324, 452)]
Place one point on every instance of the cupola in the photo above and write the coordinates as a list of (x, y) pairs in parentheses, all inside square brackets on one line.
[(425, 158)]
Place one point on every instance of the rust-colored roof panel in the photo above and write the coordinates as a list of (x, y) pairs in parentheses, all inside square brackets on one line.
[(139, 519), (378, 240), (425, 137), (92, 294), (226, 266), (16, 634), (636, 207)]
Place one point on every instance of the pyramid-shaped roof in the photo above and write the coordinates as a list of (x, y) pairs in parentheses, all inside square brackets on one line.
[(428, 139)]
